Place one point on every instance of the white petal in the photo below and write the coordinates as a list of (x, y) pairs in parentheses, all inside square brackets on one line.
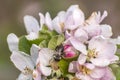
[(12, 41), (114, 58), (101, 62), (56, 25), (46, 71), (61, 16), (78, 45), (32, 36), (115, 40), (24, 77), (42, 20), (21, 60), (45, 55), (106, 31), (31, 24), (48, 21), (34, 52), (71, 8)]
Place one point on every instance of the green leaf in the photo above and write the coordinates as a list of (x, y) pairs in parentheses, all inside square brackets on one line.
[(118, 46), (24, 45), (55, 41), (118, 54), (116, 70), (63, 65)]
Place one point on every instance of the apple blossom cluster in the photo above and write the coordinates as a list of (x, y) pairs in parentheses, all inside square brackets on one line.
[(68, 47)]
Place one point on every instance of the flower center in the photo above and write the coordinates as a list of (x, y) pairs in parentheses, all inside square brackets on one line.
[(84, 70), (62, 26), (92, 53), (27, 71)]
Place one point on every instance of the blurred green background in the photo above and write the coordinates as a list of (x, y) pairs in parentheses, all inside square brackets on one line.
[(13, 11)]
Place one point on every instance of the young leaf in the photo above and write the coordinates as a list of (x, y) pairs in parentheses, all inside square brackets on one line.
[(60, 39), (55, 41)]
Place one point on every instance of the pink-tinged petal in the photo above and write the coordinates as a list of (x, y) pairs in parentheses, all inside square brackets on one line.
[(56, 25), (36, 75), (103, 47), (101, 62), (105, 14), (31, 24), (93, 30), (93, 19), (98, 73), (96, 18), (22, 60), (108, 75), (82, 76), (46, 71), (72, 67), (78, 45), (81, 35), (69, 23), (45, 55), (67, 34), (89, 66), (24, 77), (12, 41), (78, 15), (42, 20), (34, 51), (74, 17), (48, 21), (82, 59)]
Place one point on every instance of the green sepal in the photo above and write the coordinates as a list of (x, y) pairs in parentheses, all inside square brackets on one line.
[(24, 45), (43, 44)]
